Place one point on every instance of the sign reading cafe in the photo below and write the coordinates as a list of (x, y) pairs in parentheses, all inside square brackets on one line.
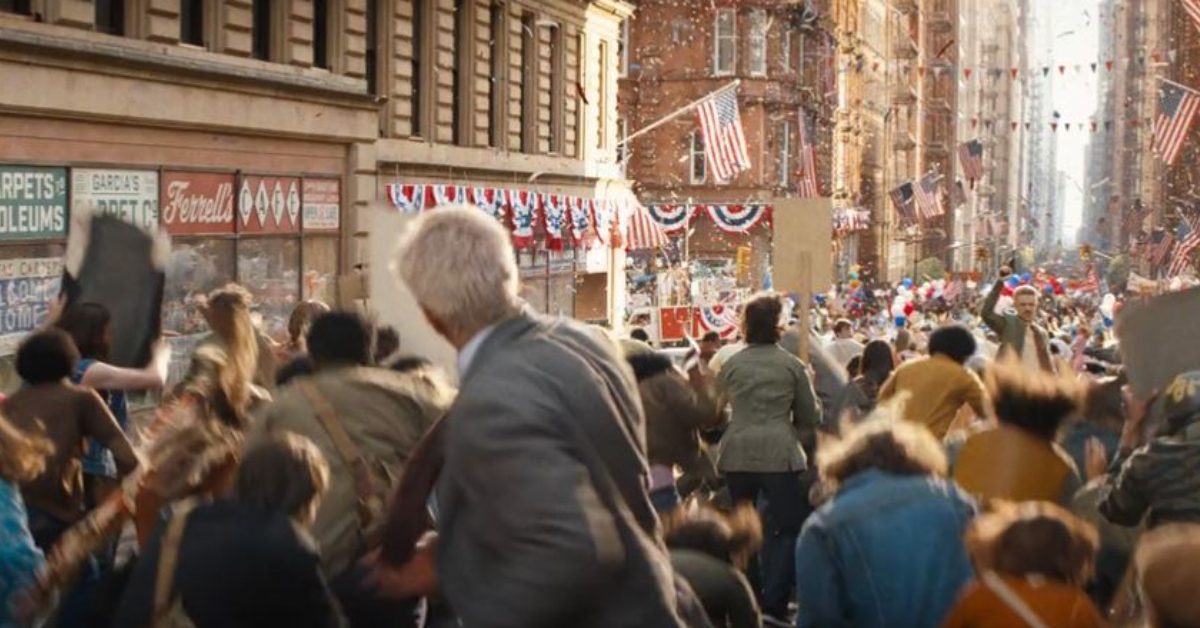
[(33, 203)]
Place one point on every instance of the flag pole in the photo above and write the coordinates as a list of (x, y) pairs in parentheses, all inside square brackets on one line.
[(1179, 85), (678, 112)]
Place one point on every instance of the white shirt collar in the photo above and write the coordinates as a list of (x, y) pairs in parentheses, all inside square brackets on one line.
[(467, 354)]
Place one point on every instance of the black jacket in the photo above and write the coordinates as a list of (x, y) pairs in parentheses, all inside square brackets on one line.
[(238, 567)]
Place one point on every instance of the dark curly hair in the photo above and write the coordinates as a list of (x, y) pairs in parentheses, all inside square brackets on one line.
[(1034, 401)]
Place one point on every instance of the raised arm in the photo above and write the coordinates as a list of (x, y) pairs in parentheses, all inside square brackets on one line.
[(100, 425), (102, 376), (988, 312)]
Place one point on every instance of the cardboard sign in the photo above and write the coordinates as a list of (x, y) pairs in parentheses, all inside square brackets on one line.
[(322, 205), (1158, 339), (33, 203), (197, 203), (27, 288), (268, 204), (130, 195)]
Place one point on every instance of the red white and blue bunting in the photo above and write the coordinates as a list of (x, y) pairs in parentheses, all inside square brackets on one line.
[(524, 206), (491, 200), (581, 217), (554, 213), (409, 198), (721, 318), (731, 218), (850, 220), (449, 194)]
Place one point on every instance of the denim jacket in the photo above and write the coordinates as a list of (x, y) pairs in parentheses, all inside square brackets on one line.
[(886, 551)]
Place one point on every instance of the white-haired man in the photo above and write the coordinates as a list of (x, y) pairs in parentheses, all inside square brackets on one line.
[(544, 518)]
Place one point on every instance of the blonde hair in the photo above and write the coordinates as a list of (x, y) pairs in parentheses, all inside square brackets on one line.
[(228, 314), (459, 264), (883, 443), (22, 456)]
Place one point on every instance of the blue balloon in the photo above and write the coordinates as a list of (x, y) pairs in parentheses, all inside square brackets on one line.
[(1013, 281), (1108, 322), (1025, 277), (1048, 289), (901, 320), (907, 283)]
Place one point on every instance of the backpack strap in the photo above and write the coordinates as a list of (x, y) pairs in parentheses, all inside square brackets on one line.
[(370, 505), (1013, 601), (168, 558)]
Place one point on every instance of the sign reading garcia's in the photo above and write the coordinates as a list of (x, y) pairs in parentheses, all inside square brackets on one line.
[(33, 203), (197, 203), (131, 195)]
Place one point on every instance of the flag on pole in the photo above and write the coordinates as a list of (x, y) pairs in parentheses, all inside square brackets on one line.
[(1187, 234), (902, 198), (807, 186), (927, 195), (1192, 8), (1160, 244), (970, 155), (724, 142), (1177, 109)]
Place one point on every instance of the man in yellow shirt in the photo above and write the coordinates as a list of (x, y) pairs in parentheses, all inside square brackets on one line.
[(932, 389)]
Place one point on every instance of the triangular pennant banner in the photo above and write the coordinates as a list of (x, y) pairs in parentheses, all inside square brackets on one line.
[(967, 73), (1108, 63), (1013, 72), (1062, 69), (1093, 66), (1014, 126), (1045, 70)]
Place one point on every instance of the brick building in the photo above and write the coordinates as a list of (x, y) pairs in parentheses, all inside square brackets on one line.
[(257, 132), (681, 50)]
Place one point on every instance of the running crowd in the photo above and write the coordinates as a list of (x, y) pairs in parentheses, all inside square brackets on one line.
[(982, 467)]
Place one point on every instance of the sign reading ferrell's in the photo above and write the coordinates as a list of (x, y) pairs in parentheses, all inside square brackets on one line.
[(268, 204), (33, 203), (131, 195), (322, 198), (198, 203), (27, 288)]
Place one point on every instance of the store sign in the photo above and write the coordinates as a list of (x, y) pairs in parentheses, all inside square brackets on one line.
[(322, 204), (27, 288), (33, 203), (269, 205), (131, 195), (197, 203)]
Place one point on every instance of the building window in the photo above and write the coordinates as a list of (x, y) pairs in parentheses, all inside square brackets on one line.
[(372, 53), (785, 152), (260, 30), (623, 50), (603, 97), (786, 57), (699, 167), (758, 43), (110, 16), (725, 36), (529, 72), (557, 86), (15, 6), (464, 56), (422, 66), (800, 57), (320, 34), (191, 22), (498, 85), (622, 153)]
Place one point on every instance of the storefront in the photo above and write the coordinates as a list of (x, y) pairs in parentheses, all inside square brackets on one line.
[(278, 235)]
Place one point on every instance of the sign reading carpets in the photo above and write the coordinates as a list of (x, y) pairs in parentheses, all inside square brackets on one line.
[(33, 203), (130, 195), (269, 205), (27, 288)]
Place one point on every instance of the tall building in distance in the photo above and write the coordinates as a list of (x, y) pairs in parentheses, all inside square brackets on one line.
[(1098, 229), (1039, 207), (939, 34)]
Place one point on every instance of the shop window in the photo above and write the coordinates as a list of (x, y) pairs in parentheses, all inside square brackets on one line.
[(320, 34), (269, 269), (197, 267), (15, 6), (698, 166), (725, 42), (529, 96), (320, 257), (110, 16), (532, 268), (498, 84), (758, 43), (260, 29), (191, 22)]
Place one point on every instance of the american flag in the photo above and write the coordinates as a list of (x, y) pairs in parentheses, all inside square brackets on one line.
[(902, 198), (1188, 236), (1161, 242), (807, 186), (1192, 7), (970, 155), (928, 199), (1177, 111), (724, 142)]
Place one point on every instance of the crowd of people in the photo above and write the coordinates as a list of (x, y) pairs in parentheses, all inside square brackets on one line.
[(974, 467)]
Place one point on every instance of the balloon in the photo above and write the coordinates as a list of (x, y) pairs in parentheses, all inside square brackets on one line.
[(901, 320), (907, 282), (908, 309), (1013, 281), (1025, 277), (1048, 289), (1106, 307)]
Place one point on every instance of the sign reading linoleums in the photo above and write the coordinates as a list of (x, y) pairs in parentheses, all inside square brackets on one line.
[(198, 203), (131, 195), (33, 203), (27, 287), (322, 200), (268, 204)]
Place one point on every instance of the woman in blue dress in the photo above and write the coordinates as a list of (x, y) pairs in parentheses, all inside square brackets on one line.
[(22, 458)]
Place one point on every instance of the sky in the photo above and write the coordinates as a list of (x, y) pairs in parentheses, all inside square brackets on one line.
[(1075, 34)]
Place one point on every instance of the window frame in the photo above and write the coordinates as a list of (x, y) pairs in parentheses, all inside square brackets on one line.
[(498, 66), (262, 44), (19, 7), (604, 96), (718, 38), (787, 50), (784, 133), (463, 74), (756, 42), (558, 70), (696, 151), (118, 14), (204, 7), (529, 83), (623, 49)]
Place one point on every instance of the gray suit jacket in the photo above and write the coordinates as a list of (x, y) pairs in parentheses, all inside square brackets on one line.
[(544, 516)]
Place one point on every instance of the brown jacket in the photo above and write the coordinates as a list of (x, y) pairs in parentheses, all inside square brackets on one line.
[(66, 414), (1005, 462), (675, 411), (935, 388)]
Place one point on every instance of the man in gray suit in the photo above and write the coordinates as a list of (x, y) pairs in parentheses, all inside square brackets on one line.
[(544, 518)]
